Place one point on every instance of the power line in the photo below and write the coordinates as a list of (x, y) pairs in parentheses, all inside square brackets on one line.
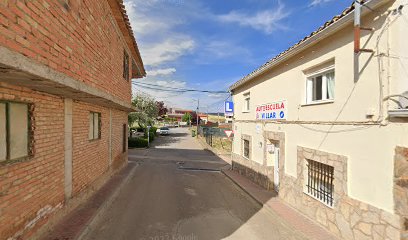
[(172, 89)]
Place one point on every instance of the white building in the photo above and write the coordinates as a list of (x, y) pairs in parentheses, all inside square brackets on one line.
[(327, 127)]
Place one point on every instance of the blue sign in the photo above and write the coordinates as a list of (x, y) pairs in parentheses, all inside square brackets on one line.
[(282, 114), (229, 108)]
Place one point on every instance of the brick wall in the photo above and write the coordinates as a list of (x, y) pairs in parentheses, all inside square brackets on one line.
[(118, 156), (34, 187), (90, 157), (80, 40)]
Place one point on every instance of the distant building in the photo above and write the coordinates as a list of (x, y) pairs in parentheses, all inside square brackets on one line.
[(203, 118), (65, 93), (325, 124), (178, 113)]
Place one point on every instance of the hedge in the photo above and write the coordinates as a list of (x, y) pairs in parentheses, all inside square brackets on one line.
[(137, 142)]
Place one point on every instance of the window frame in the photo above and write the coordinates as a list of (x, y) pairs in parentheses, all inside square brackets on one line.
[(30, 151), (126, 65), (125, 138), (249, 148), (93, 126), (314, 179), (246, 108), (324, 88)]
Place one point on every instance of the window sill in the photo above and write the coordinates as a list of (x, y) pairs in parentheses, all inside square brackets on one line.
[(245, 111), (317, 103), (318, 200), (94, 140), (15, 161)]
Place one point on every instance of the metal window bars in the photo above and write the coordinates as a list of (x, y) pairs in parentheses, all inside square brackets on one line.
[(320, 181), (246, 148)]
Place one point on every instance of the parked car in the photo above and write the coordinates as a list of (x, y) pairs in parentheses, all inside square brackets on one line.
[(164, 131)]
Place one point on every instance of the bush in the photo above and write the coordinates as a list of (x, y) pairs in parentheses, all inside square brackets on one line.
[(137, 143), (153, 130), (151, 136)]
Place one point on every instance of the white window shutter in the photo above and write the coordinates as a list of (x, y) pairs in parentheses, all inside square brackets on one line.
[(324, 87), (309, 91)]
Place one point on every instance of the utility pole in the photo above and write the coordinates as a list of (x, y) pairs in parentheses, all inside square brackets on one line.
[(198, 109)]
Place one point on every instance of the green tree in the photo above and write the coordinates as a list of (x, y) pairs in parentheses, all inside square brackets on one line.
[(187, 118), (147, 111)]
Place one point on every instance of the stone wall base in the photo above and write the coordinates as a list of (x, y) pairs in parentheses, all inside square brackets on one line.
[(401, 188), (254, 171)]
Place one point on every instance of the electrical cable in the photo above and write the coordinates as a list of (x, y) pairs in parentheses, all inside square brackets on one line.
[(167, 89)]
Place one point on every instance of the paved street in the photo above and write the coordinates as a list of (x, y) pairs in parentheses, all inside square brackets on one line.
[(177, 192)]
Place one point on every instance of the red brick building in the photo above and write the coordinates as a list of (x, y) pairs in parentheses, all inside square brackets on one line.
[(65, 92)]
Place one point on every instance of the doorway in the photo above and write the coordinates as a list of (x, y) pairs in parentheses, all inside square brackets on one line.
[(273, 160)]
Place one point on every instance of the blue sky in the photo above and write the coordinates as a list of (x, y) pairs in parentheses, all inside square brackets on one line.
[(210, 44)]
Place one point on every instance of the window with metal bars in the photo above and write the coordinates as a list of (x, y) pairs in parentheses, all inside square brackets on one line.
[(320, 181), (246, 149)]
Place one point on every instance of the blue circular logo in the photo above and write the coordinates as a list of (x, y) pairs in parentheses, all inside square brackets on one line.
[(282, 114)]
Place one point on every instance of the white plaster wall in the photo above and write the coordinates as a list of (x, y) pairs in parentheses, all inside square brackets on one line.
[(370, 149)]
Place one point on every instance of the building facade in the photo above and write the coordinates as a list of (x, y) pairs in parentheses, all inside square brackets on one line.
[(177, 113), (65, 93), (325, 124)]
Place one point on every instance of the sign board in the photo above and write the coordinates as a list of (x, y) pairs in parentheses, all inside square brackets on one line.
[(228, 133), (229, 108), (272, 111)]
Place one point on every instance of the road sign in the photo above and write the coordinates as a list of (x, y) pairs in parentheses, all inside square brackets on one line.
[(228, 133), (229, 108)]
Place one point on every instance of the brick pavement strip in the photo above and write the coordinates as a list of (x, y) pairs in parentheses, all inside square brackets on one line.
[(272, 202), (78, 223)]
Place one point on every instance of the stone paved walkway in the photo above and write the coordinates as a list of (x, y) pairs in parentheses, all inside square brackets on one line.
[(272, 202)]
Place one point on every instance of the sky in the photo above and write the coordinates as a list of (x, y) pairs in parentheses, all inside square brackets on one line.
[(210, 44)]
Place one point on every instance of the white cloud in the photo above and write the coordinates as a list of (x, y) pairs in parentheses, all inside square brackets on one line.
[(318, 2), (161, 72), (155, 30), (267, 21), (171, 49)]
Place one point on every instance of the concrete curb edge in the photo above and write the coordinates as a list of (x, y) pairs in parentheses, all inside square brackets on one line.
[(243, 189)]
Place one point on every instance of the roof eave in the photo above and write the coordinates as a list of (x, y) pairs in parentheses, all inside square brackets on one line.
[(311, 41)]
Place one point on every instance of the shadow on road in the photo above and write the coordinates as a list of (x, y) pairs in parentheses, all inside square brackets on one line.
[(178, 192)]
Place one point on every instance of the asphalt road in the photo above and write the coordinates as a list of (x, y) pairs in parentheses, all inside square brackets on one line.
[(177, 193)]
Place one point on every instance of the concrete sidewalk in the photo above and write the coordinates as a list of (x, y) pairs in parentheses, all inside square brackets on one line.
[(77, 222), (273, 203)]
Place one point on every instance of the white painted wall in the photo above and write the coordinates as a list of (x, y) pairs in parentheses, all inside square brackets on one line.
[(370, 149)]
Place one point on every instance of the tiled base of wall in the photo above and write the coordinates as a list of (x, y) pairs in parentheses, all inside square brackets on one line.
[(401, 188), (347, 219)]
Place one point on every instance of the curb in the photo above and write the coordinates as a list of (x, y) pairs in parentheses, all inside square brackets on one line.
[(246, 191), (103, 209)]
